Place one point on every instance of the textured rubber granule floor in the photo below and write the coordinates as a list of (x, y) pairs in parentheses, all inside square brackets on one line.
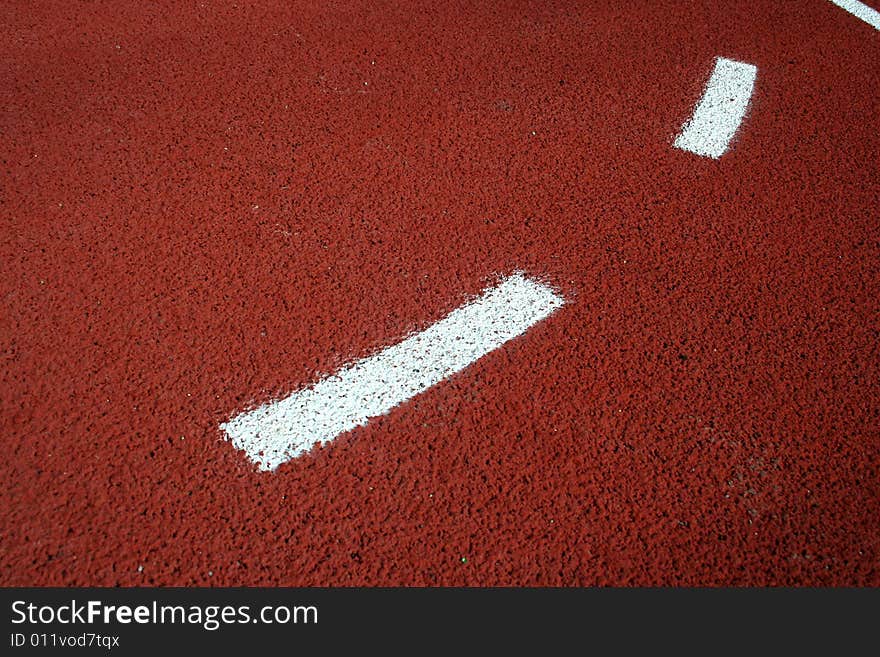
[(206, 206)]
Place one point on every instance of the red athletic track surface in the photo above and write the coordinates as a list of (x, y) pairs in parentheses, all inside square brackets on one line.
[(208, 205)]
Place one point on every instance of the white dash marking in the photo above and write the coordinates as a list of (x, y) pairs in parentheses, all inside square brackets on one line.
[(860, 10), (721, 109), (282, 430)]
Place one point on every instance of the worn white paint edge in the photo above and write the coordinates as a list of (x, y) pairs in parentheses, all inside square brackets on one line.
[(720, 111), (282, 430), (860, 10)]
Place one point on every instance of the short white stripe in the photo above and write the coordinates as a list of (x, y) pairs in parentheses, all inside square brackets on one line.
[(721, 109), (860, 10), (279, 431)]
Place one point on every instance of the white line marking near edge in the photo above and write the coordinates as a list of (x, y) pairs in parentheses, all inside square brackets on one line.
[(282, 430), (721, 109), (860, 10)]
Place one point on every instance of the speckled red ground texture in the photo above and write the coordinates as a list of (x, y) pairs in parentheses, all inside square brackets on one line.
[(208, 205)]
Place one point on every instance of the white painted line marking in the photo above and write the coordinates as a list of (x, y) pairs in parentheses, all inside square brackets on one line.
[(860, 10), (721, 109), (282, 430)]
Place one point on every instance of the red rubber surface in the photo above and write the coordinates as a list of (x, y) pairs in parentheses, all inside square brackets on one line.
[(207, 205)]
